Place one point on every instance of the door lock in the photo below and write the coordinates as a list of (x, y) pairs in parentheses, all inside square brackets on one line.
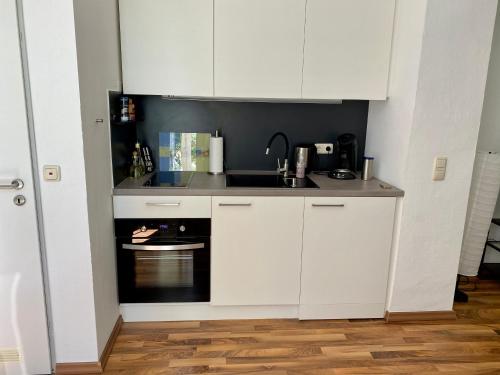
[(19, 200)]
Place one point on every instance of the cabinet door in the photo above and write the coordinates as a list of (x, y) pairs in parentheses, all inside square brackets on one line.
[(345, 259), (258, 48), (167, 47), (256, 247), (347, 49)]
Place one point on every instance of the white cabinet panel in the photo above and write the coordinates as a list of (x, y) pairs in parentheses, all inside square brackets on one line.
[(167, 47), (256, 249), (347, 49), (345, 258), (258, 48), (126, 206)]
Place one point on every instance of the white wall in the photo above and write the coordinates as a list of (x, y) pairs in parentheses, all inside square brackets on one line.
[(97, 38), (390, 122), (50, 39), (489, 132), (442, 98)]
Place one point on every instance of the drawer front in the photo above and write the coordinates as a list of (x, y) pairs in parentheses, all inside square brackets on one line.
[(161, 207)]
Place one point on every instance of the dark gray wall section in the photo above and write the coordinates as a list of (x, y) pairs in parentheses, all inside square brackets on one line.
[(247, 126)]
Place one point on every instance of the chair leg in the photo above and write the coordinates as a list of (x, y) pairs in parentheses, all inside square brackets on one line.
[(459, 295)]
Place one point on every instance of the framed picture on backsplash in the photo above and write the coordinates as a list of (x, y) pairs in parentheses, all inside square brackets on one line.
[(184, 151)]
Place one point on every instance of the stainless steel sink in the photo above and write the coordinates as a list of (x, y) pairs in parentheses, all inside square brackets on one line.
[(268, 181)]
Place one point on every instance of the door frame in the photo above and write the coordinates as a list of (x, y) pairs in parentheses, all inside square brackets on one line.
[(36, 177)]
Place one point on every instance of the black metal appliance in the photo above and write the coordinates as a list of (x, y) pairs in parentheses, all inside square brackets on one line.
[(163, 260), (347, 152), (171, 179)]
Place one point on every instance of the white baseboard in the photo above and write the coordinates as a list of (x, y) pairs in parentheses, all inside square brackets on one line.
[(143, 312), (342, 311)]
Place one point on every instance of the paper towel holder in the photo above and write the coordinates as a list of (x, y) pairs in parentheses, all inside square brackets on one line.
[(216, 167)]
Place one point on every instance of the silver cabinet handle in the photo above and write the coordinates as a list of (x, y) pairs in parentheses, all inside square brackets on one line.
[(15, 185), (235, 204), (158, 204), (328, 205), (190, 246)]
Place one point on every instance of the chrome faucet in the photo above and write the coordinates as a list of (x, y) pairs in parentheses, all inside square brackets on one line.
[(280, 169)]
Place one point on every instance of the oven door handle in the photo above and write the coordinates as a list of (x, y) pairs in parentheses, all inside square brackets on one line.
[(190, 246)]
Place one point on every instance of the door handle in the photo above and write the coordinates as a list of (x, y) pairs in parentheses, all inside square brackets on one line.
[(176, 204), (328, 205), (235, 204), (191, 246), (16, 184)]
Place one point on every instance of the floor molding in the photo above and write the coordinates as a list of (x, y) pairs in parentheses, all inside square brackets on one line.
[(92, 367), (78, 368), (396, 317), (111, 341)]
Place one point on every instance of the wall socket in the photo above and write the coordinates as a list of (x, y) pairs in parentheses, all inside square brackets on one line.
[(324, 148)]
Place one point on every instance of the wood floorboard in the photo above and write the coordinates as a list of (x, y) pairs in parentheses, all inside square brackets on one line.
[(469, 345)]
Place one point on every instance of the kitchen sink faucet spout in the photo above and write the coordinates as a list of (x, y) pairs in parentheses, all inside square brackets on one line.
[(280, 169)]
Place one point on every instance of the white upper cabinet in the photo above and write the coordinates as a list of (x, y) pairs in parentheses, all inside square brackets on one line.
[(167, 47), (347, 49), (276, 49), (258, 48)]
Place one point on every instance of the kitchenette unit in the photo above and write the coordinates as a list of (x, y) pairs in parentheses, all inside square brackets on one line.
[(319, 253), (205, 84)]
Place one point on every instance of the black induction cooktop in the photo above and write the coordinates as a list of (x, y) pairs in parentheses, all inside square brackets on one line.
[(173, 179)]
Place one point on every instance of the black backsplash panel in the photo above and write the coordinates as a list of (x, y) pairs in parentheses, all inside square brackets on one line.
[(123, 138), (247, 126)]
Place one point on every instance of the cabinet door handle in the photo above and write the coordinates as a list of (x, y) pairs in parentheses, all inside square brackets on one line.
[(235, 204), (328, 205), (157, 204)]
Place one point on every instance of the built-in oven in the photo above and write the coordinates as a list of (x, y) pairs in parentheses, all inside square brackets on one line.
[(163, 260)]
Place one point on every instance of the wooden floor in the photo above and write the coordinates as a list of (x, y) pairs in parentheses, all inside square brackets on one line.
[(469, 345)]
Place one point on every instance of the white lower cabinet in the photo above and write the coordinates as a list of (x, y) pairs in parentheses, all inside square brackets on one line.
[(345, 257), (256, 250)]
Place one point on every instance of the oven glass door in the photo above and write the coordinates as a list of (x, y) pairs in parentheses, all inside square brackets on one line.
[(164, 271)]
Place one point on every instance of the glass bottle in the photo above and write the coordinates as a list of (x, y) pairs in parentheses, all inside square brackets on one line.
[(142, 164), (135, 168)]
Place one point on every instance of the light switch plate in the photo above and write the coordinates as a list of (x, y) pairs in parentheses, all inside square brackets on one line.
[(324, 148), (439, 169), (51, 173)]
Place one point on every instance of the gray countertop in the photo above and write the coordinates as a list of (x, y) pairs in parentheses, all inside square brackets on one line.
[(204, 184)]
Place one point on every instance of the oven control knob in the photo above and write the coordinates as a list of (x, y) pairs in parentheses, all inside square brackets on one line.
[(143, 228), (182, 228)]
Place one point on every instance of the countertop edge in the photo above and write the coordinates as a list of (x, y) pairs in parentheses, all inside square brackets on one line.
[(203, 184), (253, 192)]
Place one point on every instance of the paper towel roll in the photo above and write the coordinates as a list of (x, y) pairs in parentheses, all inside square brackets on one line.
[(483, 196), (216, 155)]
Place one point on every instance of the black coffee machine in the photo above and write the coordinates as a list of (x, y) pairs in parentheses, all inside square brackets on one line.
[(347, 152), (347, 158)]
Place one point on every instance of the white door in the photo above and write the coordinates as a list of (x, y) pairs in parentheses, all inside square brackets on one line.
[(347, 49), (167, 47), (256, 245), (24, 344), (258, 48), (345, 259)]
